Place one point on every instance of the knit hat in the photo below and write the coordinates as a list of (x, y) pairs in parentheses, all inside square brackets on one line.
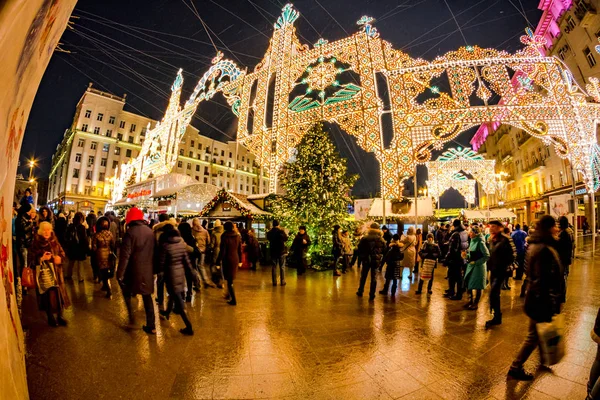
[(374, 225), (134, 214), (217, 223)]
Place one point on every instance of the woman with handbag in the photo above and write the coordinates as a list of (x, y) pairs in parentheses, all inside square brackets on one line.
[(476, 272), (103, 251), (46, 256), (408, 244)]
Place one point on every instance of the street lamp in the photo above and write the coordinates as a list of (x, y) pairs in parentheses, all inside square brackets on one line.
[(31, 165)]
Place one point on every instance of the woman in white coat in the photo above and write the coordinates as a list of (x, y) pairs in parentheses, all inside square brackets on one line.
[(408, 245)]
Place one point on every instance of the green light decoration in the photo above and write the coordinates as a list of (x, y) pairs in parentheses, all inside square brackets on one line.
[(435, 89), (466, 153), (288, 17), (321, 42)]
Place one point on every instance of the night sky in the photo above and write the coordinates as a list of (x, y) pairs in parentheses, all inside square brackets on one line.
[(136, 47)]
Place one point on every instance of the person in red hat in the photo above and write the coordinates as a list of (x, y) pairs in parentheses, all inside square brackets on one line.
[(135, 272)]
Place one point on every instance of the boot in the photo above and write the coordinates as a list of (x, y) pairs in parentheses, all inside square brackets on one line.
[(386, 287), (394, 288), (497, 320), (187, 331), (52, 321), (232, 302)]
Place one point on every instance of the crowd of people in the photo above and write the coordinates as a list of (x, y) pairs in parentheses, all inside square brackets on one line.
[(181, 257)]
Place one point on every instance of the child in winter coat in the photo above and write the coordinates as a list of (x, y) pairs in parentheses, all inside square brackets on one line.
[(429, 251), (393, 259)]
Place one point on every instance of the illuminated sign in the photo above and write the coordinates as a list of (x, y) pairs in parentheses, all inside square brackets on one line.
[(141, 193)]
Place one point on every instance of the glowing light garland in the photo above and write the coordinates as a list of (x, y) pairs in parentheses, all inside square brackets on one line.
[(546, 103), (446, 172)]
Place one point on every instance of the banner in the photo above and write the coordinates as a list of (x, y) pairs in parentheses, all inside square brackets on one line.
[(29, 32), (559, 205), (361, 208)]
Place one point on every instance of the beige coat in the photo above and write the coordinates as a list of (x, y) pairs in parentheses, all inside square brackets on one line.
[(408, 244)]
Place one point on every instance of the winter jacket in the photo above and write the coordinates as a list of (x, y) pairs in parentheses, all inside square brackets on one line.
[(408, 245), (60, 230), (174, 262), (298, 247), (595, 333), (371, 248), (518, 237), (78, 247), (565, 247), (387, 236), (201, 235), (393, 260), (476, 273), (252, 248), (429, 251), (546, 290), (38, 247), (24, 230), (215, 241), (135, 268), (336, 239), (102, 245), (277, 238), (502, 254), (158, 228), (458, 242), (346, 245), (230, 254)]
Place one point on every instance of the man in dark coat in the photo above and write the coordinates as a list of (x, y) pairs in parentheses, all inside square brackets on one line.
[(135, 272), (546, 291), (502, 255), (300, 247), (60, 229), (174, 263), (230, 257), (566, 244), (455, 260), (518, 236), (336, 249), (91, 220), (277, 238), (23, 233), (370, 250)]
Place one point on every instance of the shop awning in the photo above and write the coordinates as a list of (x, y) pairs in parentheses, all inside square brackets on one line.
[(424, 209)]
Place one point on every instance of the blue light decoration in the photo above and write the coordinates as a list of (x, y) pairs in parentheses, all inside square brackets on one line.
[(435, 89), (288, 16), (367, 23), (526, 82), (214, 79), (597, 47)]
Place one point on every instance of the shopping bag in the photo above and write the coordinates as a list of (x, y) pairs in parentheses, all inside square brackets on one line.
[(427, 269), (552, 341), (27, 279)]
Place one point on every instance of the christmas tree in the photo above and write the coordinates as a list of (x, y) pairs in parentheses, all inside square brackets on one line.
[(317, 187)]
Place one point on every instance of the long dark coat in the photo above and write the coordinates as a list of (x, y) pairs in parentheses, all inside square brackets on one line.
[(174, 262), (136, 259), (102, 245), (77, 242), (230, 254)]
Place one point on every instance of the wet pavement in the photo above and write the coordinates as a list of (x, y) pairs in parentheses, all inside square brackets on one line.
[(312, 339)]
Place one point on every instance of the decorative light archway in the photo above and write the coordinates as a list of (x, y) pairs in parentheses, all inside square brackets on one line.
[(447, 172), (296, 85)]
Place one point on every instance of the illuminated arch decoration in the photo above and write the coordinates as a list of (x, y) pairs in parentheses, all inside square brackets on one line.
[(538, 95), (447, 172)]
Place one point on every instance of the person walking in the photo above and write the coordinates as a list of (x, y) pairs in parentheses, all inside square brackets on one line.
[(277, 238), (299, 248), (202, 238), (546, 291), (393, 260), (185, 232), (455, 260), (356, 238), (408, 245), (565, 246), (252, 248), (518, 236), (230, 257), (60, 229), (46, 258), (135, 272), (215, 246), (418, 245), (103, 252), (370, 250), (502, 255), (175, 265), (387, 235), (429, 251), (476, 273), (336, 249), (78, 246)]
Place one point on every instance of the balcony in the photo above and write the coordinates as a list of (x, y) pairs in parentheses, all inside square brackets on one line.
[(523, 139), (533, 167)]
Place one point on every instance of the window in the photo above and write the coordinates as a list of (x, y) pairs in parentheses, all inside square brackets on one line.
[(199, 146), (93, 145), (84, 127), (144, 130), (100, 117), (88, 174), (230, 154), (130, 139), (111, 120), (570, 23), (105, 147), (75, 172), (88, 113), (179, 164), (205, 180), (191, 154), (87, 190), (74, 189), (205, 170), (119, 136), (78, 157), (101, 177), (243, 158), (115, 164), (103, 164), (241, 187), (180, 152), (128, 153), (97, 130), (197, 168), (122, 124), (197, 178), (192, 143), (189, 166), (90, 161), (117, 151), (222, 153), (109, 132), (132, 128), (81, 143), (551, 181), (589, 57)]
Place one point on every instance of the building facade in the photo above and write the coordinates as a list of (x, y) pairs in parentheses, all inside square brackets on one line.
[(103, 136)]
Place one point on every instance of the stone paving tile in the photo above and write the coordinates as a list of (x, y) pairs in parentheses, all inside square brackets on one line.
[(313, 339)]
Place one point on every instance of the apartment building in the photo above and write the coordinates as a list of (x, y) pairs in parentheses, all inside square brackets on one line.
[(104, 135)]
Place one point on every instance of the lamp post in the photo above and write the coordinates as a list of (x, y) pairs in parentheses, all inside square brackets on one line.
[(31, 165)]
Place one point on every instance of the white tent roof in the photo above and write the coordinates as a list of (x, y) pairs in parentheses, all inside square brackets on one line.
[(424, 208), (498, 213)]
